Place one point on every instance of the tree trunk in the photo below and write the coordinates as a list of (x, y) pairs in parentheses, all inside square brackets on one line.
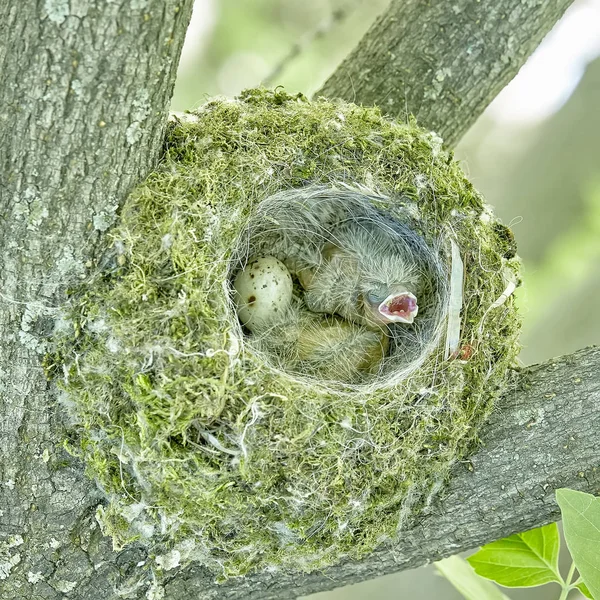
[(84, 90)]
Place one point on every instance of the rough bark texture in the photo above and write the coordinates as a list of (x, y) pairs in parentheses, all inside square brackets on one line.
[(84, 92), (84, 89), (443, 62)]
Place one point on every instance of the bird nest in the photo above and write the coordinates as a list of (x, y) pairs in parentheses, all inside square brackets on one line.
[(224, 445)]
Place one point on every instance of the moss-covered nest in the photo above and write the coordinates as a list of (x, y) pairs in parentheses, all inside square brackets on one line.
[(203, 446)]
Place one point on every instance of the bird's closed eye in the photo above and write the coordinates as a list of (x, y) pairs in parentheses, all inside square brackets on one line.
[(376, 296)]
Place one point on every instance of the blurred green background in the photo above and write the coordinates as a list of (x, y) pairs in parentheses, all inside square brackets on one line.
[(534, 154)]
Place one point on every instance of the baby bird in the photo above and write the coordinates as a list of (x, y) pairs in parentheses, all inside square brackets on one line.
[(326, 347), (365, 277), (351, 259)]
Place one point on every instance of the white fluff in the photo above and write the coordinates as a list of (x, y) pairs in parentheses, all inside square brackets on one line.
[(456, 301)]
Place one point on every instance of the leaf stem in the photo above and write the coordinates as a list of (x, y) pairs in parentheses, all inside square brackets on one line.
[(567, 587)]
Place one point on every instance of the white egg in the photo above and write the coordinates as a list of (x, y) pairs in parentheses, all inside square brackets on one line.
[(263, 290)]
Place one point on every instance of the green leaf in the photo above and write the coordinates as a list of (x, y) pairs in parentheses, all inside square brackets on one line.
[(461, 575), (521, 560), (583, 589), (581, 524)]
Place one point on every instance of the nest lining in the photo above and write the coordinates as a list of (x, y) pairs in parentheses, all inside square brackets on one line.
[(201, 445), (387, 247)]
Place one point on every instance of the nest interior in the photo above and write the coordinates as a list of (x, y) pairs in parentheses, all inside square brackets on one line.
[(203, 447), (378, 244)]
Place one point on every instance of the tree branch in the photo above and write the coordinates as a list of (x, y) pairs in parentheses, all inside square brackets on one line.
[(443, 62), (84, 93), (543, 436)]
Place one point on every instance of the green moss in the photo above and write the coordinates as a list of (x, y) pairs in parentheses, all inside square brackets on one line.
[(190, 434)]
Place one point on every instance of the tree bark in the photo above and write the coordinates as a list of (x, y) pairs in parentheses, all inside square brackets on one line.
[(443, 62), (84, 90)]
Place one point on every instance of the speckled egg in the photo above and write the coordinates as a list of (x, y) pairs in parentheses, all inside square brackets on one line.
[(263, 289)]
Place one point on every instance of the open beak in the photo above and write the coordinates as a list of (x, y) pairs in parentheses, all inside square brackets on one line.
[(399, 308)]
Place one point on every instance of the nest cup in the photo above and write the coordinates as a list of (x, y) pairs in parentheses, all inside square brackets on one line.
[(298, 217), (208, 450)]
